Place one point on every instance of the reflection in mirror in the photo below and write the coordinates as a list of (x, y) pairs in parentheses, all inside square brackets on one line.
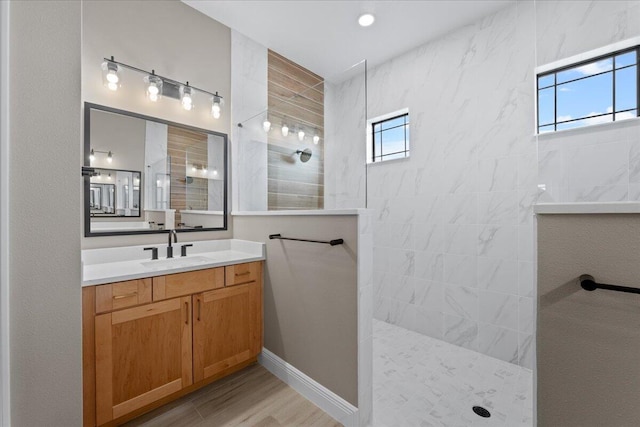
[(164, 174), (115, 193)]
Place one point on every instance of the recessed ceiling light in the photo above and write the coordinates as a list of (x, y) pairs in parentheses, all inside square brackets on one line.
[(366, 19)]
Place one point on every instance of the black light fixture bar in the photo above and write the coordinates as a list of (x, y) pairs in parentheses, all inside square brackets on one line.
[(166, 79)]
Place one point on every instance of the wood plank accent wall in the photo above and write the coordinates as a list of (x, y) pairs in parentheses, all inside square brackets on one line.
[(295, 96), (187, 146)]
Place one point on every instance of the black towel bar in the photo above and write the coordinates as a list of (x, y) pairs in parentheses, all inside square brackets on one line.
[(327, 242), (588, 283)]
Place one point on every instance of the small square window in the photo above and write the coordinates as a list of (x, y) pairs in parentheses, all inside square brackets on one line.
[(389, 138)]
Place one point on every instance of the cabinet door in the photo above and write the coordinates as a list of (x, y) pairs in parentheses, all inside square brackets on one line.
[(227, 328), (142, 354)]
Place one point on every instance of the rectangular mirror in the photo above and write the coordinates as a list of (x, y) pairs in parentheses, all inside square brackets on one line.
[(147, 175)]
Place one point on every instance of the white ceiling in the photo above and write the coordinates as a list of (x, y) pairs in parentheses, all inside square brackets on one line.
[(324, 36)]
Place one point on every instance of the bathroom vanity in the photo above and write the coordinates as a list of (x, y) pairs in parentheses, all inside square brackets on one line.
[(155, 330)]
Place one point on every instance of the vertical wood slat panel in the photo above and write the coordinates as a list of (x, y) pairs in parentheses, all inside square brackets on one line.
[(296, 94), (185, 145)]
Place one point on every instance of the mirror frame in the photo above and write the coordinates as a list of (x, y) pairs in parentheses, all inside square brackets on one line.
[(87, 179)]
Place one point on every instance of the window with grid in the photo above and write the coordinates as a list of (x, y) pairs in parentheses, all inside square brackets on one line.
[(596, 91), (390, 138)]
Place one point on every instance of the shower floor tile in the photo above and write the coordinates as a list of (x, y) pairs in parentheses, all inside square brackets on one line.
[(421, 381)]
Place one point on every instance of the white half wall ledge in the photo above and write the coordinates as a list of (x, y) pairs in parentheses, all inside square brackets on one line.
[(587, 208), (354, 211), (338, 408)]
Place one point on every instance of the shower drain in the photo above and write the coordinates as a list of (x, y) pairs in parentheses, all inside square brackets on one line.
[(479, 410)]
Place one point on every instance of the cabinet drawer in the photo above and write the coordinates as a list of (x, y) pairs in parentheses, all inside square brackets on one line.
[(191, 282), (242, 273), (115, 296)]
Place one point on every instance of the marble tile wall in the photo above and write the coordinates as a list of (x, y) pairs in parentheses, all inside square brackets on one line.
[(453, 224), (249, 142), (594, 164), (344, 167), (365, 318)]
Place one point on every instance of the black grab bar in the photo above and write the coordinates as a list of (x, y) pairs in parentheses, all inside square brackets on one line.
[(588, 283), (327, 242)]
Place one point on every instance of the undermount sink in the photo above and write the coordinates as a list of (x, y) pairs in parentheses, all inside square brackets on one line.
[(163, 264)]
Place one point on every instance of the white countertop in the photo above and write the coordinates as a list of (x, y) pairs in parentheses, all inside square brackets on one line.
[(133, 262), (353, 211), (587, 208)]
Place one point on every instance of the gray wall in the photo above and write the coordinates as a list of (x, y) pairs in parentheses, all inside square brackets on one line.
[(46, 386), (175, 40), (311, 296), (588, 342)]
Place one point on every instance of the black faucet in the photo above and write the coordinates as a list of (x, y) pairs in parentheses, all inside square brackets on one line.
[(175, 240)]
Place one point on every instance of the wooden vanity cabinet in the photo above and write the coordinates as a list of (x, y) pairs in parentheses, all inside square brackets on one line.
[(226, 328), (139, 357), (142, 354)]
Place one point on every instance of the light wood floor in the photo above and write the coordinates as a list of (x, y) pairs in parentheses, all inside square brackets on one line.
[(251, 397)]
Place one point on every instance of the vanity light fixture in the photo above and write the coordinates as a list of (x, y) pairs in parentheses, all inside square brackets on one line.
[(185, 98), (316, 137), (109, 177), (300, 135), (366, 19), (157, 86), (266, 125), (285, 129), (193, 168), (204, 170), (92, 155), (215, 171), (216, 107), (154, 86)]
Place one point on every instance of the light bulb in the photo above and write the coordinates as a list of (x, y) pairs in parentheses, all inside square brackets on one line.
[(266, 125), (109, 177), (285, 130), (366, 19), (215, 171), (187, 101), (215, 106), (204, 170), (316, 139), (193, 168), (92, 156), (300, 135), (112, 76), (110, 157), (154, 86), (158, 183)]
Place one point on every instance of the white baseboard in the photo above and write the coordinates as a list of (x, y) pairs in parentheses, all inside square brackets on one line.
[(341, 410)]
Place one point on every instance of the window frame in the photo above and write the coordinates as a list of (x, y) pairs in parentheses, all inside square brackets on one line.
[(372, 157), (554, 72)]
